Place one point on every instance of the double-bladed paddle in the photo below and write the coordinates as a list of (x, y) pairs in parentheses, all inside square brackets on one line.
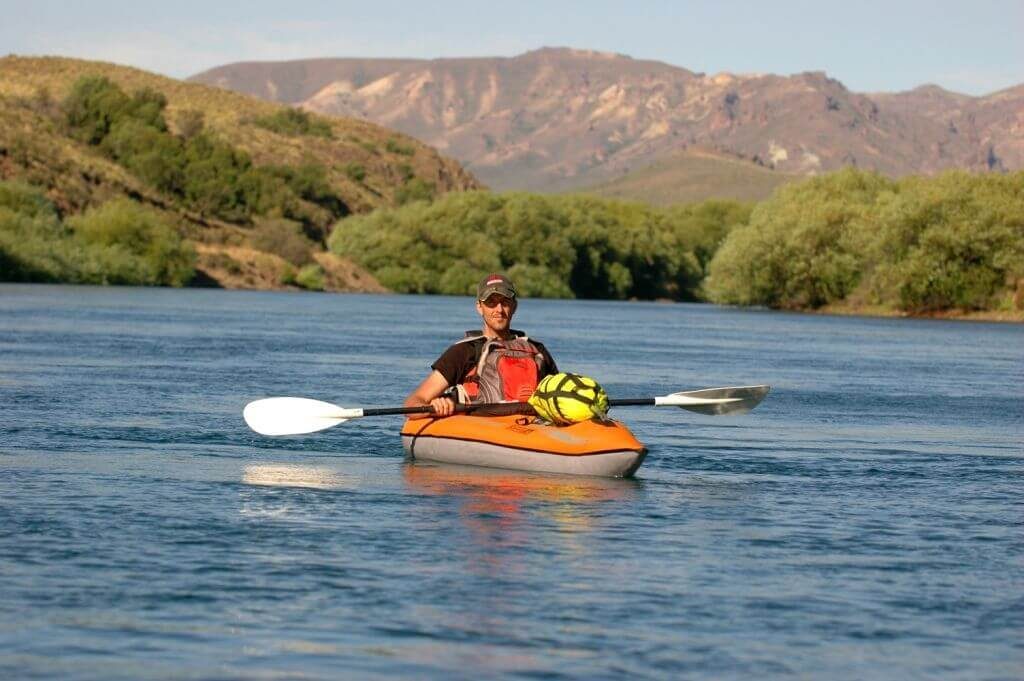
[(298, 415)]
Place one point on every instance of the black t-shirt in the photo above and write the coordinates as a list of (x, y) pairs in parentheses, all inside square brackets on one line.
[(457, 361)]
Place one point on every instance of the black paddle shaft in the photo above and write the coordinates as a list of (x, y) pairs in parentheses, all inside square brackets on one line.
[(497, 408), (635, 402), (492, 409)]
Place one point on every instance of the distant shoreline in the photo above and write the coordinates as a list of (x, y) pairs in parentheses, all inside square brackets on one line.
[(1004, 316), (1000, 316)]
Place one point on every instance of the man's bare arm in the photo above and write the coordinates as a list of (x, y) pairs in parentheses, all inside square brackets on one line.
[(429, 393)]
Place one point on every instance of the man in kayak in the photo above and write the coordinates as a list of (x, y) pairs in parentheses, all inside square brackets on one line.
[(496, 364)]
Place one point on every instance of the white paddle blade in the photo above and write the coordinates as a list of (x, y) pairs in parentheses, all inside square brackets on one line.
[(295, 415), (717, 401)]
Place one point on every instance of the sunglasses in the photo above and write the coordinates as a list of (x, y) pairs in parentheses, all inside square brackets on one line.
[(495, 301)]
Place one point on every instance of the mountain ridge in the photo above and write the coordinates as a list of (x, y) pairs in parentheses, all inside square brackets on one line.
[(565, 118)]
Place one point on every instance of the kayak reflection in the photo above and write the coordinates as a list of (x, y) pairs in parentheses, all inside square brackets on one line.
[(498, 496), (477, 481)]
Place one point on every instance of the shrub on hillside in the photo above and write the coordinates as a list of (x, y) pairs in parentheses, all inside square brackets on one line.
[(310, 277), (32, 245), (295, 122), (204, 173), (396, 147), (142, 247), (120, 242), (26, 200), (212, 182), (153, 156), (283, 238), (415, 190), (355, 172), (96, 104), (190, 123), (308, 181)]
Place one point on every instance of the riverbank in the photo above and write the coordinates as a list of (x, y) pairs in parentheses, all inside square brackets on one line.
[(239, 267), (1008, 316)]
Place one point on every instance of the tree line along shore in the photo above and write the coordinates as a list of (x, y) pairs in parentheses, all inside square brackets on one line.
[(851, 241)]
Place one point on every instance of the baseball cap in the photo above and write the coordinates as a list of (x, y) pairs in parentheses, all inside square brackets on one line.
[(495, 283)]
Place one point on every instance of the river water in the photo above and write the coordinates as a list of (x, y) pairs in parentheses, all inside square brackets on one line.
[(864, 522)]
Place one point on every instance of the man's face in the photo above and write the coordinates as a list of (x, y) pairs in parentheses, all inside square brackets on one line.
[(497, 311)]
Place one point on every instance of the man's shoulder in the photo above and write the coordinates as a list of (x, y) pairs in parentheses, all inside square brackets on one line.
[(469, 338), (455, 361), (540, 345), (463, 347)]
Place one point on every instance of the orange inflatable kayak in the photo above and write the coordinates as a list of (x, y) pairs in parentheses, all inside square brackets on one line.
[(589, 448)]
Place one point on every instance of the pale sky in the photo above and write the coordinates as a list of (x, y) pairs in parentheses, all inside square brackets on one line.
[(972, 47)]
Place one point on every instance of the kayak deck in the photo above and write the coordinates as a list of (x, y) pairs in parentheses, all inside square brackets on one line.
[(588, 448)]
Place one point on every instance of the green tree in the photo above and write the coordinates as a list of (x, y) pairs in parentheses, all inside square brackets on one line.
[(803, 248), (141, 248), (311, 277), (561, 246), (955, 241), (295, 122), (92, 107), (415, 190), (284, 238), (212, 173), (153, 156), (120, 242), (20, 198)]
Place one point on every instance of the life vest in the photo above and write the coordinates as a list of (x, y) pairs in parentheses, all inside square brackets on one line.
[(505, 370)]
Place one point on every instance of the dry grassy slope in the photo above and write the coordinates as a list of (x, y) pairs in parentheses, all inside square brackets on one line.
[(75, 178), (228, 113), (33, 148), (559, 119), (694, 176)]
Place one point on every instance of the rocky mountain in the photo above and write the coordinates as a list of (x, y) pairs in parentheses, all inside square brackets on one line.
[(559, 118)]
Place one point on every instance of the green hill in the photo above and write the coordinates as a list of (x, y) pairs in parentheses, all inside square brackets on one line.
[(253, 187), (694, 176)]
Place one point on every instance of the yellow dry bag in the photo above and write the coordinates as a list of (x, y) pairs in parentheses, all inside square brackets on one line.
[(568, 398)]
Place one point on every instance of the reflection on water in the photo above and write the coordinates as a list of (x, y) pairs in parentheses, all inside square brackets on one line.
[(501, 508), (289, 481), (292, 475), (504, 491)]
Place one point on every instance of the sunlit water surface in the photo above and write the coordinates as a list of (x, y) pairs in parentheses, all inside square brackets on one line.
[(864, 522)]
